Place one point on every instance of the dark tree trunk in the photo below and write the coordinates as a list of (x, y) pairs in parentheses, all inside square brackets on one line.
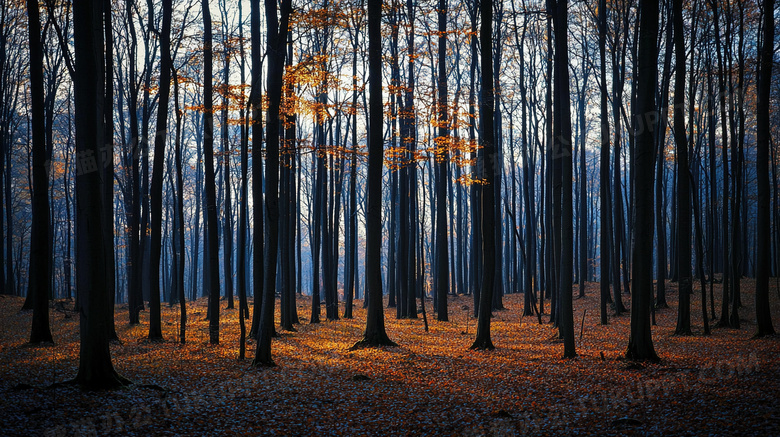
[(108, 155), (135, 302), (243, 202), (212, 239), (409, 134), (40, 257), (640, 344), (685, 280), (488, 172), (564, 155), (155, 324), (736, 159), (277, 38), (605, 234), (179, 211), (375, 334), (724, 241), (227, 227), (442, 158), (763, 138), (95, 368), (257, 169), (350, 269), (583, 181)]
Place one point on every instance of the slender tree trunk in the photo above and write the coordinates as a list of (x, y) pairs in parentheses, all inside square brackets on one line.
[(227, 227), (487, 171), (374, 334), (763, 138), (605, 233), (40, 257), (179, 211), (640, 344), (683, 185), (257, 168), (108, 169), (155, 324), (277, 38), (442, 158), (564, 155), (210, 183), (724, 314), (95, 368)]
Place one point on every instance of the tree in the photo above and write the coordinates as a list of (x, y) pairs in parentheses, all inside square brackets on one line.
[(605, 235), (562, 152), (640, 344), (179, 212), (486, 160), (683, 191), (257, 168), (96, 370), (374, 334), (442, 158), (40, 258), (134, 284), (212, 225), (277, 38), (763, 137), (155, 326), (227, 227)]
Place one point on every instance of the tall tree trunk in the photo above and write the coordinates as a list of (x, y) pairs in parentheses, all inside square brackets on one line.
[(108, 169), (227, 227), (243, 202), (605, 233), (724, 241), (763, 138), (135, 300), (683, 185), (179, 211), (161, 134), (410, 136), (583, 180), (212, 237), (95, 368), (486, 166), (374, 334), (276, 40), (564, 155), (257, 168), (442, 158), (640, 344), (40, 257)]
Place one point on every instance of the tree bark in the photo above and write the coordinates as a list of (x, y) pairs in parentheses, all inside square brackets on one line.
[(640, 344), (564, 155), (161, 134), (685, 280), (40, 257), (442, 159), (763, 137), (95, 368), (374, 334), (605, 233), (276, 40), (486, 160)]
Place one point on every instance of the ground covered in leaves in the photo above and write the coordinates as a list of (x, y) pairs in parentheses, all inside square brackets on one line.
[(431, 384)]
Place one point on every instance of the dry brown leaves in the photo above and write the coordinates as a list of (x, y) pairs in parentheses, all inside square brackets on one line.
[(432, 384)]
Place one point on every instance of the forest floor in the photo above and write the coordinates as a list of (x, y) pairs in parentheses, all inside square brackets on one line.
[(431, 384)]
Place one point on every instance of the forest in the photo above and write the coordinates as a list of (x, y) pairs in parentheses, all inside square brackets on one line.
[(404, 217)]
